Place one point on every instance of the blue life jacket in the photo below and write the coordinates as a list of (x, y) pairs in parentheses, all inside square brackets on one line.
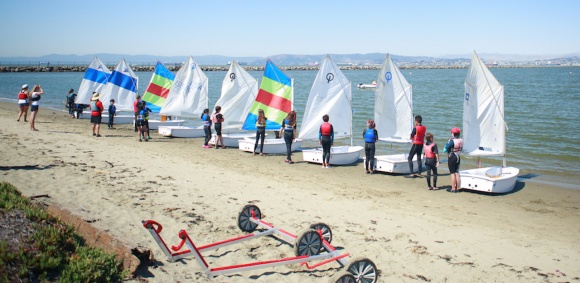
[(370, 135), (287, 126), (206, 120)]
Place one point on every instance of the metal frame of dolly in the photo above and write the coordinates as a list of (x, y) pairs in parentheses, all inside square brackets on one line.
[(308, 245)]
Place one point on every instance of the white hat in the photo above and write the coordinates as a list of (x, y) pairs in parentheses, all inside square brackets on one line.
[(24, 86), (96, 96)]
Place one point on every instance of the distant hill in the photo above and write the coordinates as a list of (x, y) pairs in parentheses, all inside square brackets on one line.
[(281, 59)]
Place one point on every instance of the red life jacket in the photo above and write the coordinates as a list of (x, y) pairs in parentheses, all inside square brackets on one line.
[(325, 129), (22, 95), (429, 151), (419, 136)]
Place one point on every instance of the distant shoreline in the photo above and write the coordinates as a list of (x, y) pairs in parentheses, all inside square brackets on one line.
[(151, 68)]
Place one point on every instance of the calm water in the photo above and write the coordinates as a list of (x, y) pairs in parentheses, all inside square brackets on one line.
[(541, 104)]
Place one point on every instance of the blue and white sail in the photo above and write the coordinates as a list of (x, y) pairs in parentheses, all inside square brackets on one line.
[(189, 93), (122, 87), (95, 79)]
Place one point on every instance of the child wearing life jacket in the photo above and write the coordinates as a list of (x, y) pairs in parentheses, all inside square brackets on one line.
[(431, 160), (326, 139), (218, 118), (140, 122), (112, 113), (206, 119), (260, 131), (417, 138), (453, 149), (288, 131), (371, 136)]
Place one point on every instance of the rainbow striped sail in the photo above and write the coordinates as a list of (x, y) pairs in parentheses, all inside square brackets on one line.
[(158, 88), (275, 97)]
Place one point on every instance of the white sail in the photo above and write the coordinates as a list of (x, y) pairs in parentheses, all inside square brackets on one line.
[(393, 104), (330, 94), (95, 78), (483, 108), (122, 87), (239, 90), (188, 95)]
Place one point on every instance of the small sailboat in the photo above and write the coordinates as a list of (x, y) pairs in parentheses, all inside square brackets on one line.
[(95, 78), (156, 94), (330, 94), (239, 90), (275, 98), (367, 86), (393, 116), (188, 97), (484, 130), (122, 87)]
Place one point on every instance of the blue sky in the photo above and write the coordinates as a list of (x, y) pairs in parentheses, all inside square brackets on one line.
[(263, 28)]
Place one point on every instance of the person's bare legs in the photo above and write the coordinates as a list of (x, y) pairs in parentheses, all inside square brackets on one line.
[(32, 120)]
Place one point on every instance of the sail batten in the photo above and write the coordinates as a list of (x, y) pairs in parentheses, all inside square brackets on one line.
[(393, 104), (483, 108), (330, 94)]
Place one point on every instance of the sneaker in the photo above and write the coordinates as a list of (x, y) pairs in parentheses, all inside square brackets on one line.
[(140, 140), (149, 137), (98, 135), (368, 172), (286, 160), (290, 162), (94, 134)]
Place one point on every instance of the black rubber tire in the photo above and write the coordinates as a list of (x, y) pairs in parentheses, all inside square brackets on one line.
[(364, 270), (308, 242), (343, 277), (325, 229), (244, 216)]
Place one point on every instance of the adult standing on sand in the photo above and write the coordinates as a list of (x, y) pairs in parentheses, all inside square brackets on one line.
[(218, 119), (289, 129), (35, 103), (326, 139), (23, 102), (453, 149), (96, 111), (417, 138)]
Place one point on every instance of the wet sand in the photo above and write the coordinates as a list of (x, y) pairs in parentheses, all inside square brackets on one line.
[(410, 233)]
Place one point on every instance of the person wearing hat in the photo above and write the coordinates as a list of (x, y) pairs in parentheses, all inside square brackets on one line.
[(96, 111), (23, 102), (35, 103), (453, 149)]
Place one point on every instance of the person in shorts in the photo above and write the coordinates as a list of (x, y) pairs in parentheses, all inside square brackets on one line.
[(96, 111)]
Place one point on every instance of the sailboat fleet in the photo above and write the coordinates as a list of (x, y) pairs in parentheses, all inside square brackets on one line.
[(186, 95)]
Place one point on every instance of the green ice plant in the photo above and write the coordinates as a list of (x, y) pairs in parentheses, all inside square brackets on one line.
[(54, 252)]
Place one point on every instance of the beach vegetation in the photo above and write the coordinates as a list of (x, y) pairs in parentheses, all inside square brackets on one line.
[(36, 247)]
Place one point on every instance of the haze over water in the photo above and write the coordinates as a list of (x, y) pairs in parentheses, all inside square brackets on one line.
[(541, 110)]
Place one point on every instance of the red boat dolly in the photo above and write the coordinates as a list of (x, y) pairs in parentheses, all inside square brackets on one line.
[(312, 244)]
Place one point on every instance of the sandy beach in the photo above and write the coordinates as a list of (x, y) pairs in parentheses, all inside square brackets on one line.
[(410, 233)]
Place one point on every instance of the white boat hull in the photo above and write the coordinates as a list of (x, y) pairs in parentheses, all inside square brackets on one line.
[(181, 131), (231, 140), (155, 124), (478, 180), (271, 146), (339, 155), (363, 86), (395, 163)]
